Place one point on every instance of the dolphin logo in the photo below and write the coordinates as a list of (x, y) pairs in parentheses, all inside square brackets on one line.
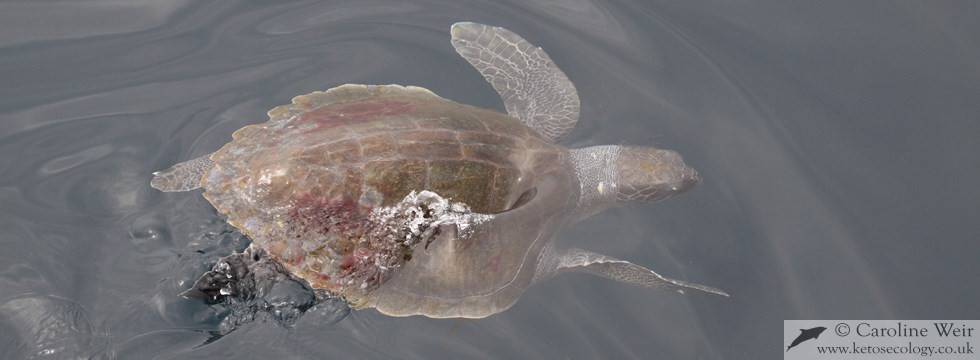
[(806, 334)]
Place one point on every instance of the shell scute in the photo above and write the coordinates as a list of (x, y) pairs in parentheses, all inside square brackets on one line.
[(430, 149), (506, 180), (451, 123), (326, 118), (378, 146), (488, 153), (344, 152), (463, 181), (394, 179), (514, 128), (487, 138), (427, 135)]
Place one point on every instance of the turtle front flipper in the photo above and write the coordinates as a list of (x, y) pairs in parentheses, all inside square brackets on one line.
[(534, 90), (182, 177), (623, 271)]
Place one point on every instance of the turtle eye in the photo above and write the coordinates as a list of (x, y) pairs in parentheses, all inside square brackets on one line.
[(524, 198)]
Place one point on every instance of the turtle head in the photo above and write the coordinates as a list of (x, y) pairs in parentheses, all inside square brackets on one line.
[(648, 174), (612, 175)]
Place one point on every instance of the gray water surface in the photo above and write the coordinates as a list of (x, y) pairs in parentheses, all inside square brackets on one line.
[(837, 140)]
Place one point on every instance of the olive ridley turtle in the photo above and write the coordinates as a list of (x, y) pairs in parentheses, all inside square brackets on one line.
[(394, 198)]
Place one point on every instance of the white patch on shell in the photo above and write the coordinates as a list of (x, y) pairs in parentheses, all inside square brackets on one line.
[(421, 213), (267, 176), (392, 233)]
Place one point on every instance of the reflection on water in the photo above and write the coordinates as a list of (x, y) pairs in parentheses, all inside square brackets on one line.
[(839, 168), (51, 326)]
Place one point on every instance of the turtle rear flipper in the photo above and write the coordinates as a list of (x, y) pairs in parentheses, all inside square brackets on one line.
[(534, 90), (248, 274), (623, 271), (182, 177)]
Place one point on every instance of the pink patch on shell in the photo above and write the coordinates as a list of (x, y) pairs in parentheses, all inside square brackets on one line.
[(293, 255), (344, 226), (361, 111)]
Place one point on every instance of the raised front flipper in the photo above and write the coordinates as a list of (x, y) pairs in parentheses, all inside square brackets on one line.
[(623, 271), (182, 177), (534, 90)]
